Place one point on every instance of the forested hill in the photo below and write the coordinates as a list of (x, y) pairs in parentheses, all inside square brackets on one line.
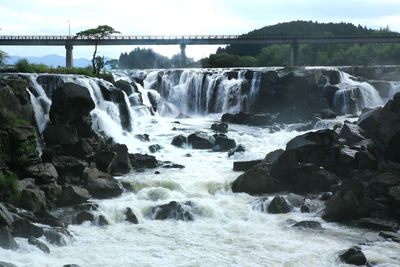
[(295, 28)]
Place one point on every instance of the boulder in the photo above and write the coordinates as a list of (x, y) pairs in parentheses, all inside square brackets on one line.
[(7, 241), (130, 216), (326, 113), (154, 148), (173, 166), (278, 205), (122, 163), (295, 200), (143, 137), (179, 140), (390, 235), (54, 237), (223, 143), (102, 221), (60, 134), (239, 148), (40, 245), (245, 165), (126, 86), (341, 207), (257, 180), (104, 160), (70, 169), (352, 133), (32, 199), (73, 195), (24, 228), (100, 184), (42, 172), (143, 161), (271, 157), (394, 192), (353, 256), (201, 141), (378, 224), (5, 217), (173, 210), (247, 119), (220, 127), (84, 216), (308, 224), (392, 151)]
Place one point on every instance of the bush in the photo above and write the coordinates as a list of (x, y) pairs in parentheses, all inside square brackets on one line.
[(8, 187)]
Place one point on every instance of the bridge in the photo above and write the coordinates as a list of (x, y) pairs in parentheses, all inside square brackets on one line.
[(70, 41)]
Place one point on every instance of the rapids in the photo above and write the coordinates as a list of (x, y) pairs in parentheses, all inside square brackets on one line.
[(228, 229)]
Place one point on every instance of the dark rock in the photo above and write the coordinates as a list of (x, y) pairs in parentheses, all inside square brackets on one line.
[(143, 161), (40, 245), (352, 133), (378, 224), (245, 165), (173, 210), (154, 148), (130, 216), (84, 216), (326, 114), (73, 195), (392, 151), (127, 186), (5, 217), (143, 137), (333, 76), (71, 265), (237, 149), (45, 218), (370, 120), (223, 143), (390, 235), (285, 164), (353, 256), (104, 160), (305, 208), (42, 172), (271, 157), (100, 184), (182, 116), (60, 134), (54, 237), (6, 239), (309, 225), (173, 166), (220, 127), (394, 192), (7, 264), (366, 160), (32, 199), (201, 141), (122, 163), (179, 140), (278, 205), (86, 207), (247, 119), (125, 86), (157, 172), (256, 180), (341, 207), (102, 221), (24, 228), (70, 169), (295, 200)]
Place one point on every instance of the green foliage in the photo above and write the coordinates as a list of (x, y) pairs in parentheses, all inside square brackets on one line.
[(100, 32), (112, 63), (8, 187), (9, 120), (107, 76), (3, 56), (24, 66), (274, 55), (227, 60)]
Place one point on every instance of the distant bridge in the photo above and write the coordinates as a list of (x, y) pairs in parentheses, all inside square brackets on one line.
[(70, 41)]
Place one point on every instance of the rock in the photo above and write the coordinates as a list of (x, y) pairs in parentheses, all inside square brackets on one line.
[(271, 157), (256, 180), (122, 163), (70, 103), (42, 172), (394, 192), (278, 205), (100, 184), (223, 143), (86, 207), (128, 187), (71, 265), (237, 149), (392, 151), (7, 264), (143, 161), (32, 199), (341, 207), (346, 161), (352, 133), (173, 210), (40, 245), (285, 165), (102, 221), (24, 228), (247, 119), (45, 218), (309, 225), (154, 148), (24, 146), (201, 141), (143, 137), (370, 120), (70, 169), (6, 239), (84, 216), (73, 195), (326, 114), (366, 160), (179, 140), (173, 166), (60, 134), (390, 235), (54, 237), (130, 216), (105, 159), (245, 165), (5, 217), (220, 127), (378, 224), (125, 86), (353, 256), (295, 200)]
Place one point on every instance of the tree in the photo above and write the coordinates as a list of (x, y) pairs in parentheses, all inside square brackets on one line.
[(3, 56), (97, 34), (113, 63)]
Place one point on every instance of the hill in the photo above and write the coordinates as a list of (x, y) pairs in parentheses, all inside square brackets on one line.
[(51, 60)]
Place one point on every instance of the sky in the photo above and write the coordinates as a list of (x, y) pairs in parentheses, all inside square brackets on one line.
[(177, 17)]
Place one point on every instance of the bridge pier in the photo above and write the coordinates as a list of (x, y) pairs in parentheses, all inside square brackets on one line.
[(294, 53), (69, 59), (183, 55)]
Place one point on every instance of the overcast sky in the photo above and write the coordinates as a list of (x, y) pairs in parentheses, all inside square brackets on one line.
[(177, 17)]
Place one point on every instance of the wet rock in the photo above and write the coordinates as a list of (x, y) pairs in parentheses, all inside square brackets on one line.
[(179, 140), (341, 207), (394, 192), (352, 133), (143, 137), (7, 264), (122, 163), (70, 169), (32, 199), (127, 186), (239, 148), (102, 221), (173, 166), (295, 200), (390, 235), (125, 86), (220, 127), (173, 210), (5, 217), (392, 151), (54, 237), (73, 195), (247, 119), (130, 216), (105, 159), (309, 225), (278, 205), (60, 134), (256, 180), (143, 161), (201, 141), (45, 218), (326, 114), (271, 157), (84, 216), (353, 256), (7, 241), (100, 184), (86, 207), (71, 265), (42, 172), (245, 165), (223, 143), (24, 228), (378, 224), (154, 148), (40, 245)]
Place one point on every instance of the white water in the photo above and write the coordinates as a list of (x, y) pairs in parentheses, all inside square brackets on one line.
[(228, 230)]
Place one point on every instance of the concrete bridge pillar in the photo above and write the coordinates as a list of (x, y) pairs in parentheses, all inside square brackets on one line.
[(294, 52), (183, 55), (69, 59)]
